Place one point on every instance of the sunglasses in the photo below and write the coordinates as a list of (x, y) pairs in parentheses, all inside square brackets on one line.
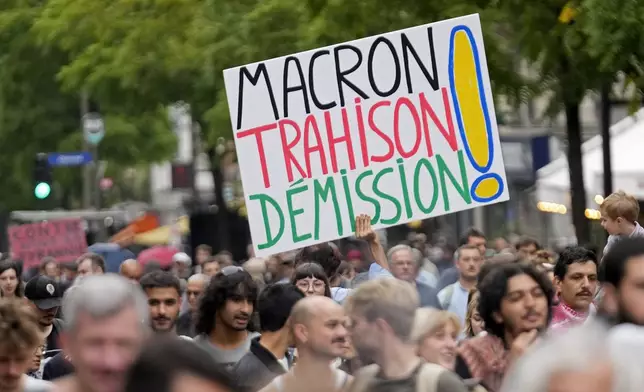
[(230, 270)]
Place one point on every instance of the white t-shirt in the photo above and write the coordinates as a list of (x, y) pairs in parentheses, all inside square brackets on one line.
[(341, 379), (34, 385)]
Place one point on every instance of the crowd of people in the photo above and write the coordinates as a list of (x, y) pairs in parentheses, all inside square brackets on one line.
[(519, 318)]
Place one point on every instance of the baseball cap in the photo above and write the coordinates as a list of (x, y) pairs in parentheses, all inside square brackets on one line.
[(182, 257), (44, 292)]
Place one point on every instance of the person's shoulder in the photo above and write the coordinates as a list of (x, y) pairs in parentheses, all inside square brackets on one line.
[(246, 362), (339, 294), (445, 290), (36, 385), (425, 289), (450, 382)]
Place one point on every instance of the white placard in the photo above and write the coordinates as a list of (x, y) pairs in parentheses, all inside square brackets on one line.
[(400, 126)]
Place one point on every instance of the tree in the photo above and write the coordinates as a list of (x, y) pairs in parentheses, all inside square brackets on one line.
[(615, 36), (563, 68), (37, 115)]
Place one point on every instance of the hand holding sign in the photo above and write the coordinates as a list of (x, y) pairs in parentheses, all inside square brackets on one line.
[(364, 230), (399, 126)]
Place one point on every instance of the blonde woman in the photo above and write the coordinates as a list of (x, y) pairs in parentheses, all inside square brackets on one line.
[(436, 333), (474, 325)]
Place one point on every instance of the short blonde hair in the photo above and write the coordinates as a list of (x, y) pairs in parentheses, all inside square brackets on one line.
[(389, 299), (620, 204), (428, 321)]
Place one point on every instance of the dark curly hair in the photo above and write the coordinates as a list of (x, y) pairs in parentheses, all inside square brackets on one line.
[(494, 287), (236, 286), (324, 255)]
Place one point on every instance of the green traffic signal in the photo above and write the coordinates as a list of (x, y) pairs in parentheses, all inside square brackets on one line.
[(42, 190)]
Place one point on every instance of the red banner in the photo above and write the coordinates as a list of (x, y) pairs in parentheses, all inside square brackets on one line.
[(62, 239)]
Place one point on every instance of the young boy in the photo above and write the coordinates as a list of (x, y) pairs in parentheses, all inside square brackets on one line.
[(619, 213)]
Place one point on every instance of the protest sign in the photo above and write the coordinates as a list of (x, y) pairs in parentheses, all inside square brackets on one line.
[(400, 126), (62, 239)]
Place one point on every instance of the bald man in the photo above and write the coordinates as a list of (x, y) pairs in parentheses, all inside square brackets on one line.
[(195, 287), (131, 269), (319, 329)]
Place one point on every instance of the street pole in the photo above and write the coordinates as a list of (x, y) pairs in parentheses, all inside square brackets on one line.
[(87, 172), (98, 175), (605, 125), (195, 134)]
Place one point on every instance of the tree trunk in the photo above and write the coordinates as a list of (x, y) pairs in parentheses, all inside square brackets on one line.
[(222, 210), (575, 165)]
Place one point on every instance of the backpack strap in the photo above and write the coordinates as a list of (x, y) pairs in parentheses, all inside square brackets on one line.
[(445, 296), (428, 377), (363, 379)]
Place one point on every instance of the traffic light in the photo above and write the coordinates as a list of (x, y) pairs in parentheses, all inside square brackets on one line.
[(42, 177)]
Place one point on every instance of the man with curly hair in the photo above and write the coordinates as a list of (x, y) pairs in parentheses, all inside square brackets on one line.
[(515, 304), (224, 317)]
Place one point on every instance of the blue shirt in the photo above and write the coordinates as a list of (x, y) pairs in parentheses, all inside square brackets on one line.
[(453, 298), (449, 276), (424, 277)]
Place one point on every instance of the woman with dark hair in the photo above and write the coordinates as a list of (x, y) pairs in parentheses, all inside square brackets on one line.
[(515, 303), (329, 258), (10, 284), (176, 365), (225, 314), (311, 279)]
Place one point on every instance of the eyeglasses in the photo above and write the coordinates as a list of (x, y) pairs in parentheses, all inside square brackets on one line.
[(230, 270)]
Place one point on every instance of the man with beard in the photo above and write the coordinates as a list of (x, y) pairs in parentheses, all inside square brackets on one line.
[(576, 280), (224, 315), (515, 303), (382, 315), (622, 278), (320, 334), (163, 290), (45, 296), (268, 357)]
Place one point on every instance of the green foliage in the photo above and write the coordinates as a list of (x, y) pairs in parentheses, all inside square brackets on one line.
[(37, 115), (140, 53), (616, 37)]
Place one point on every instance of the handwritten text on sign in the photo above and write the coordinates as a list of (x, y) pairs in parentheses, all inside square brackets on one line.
[(399, 126), (62, 239)]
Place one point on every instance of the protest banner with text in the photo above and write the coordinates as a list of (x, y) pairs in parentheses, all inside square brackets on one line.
[(400, 126), (62, 239)]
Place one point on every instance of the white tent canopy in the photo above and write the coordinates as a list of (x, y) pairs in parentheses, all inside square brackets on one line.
[(627, 159)]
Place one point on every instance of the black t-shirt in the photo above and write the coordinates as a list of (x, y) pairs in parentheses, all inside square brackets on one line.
[(52, 345), (57, 367)]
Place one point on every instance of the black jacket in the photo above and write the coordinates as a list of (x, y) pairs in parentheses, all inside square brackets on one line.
[(57, 367), (185, 325), (257, 368)]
